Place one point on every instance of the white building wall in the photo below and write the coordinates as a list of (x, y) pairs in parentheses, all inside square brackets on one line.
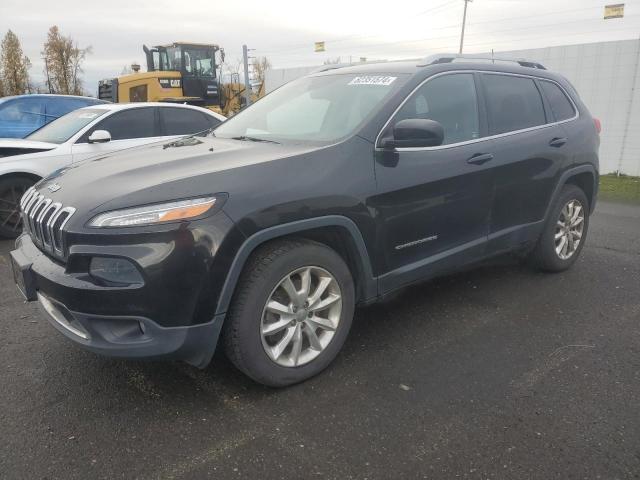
[(607, 77)]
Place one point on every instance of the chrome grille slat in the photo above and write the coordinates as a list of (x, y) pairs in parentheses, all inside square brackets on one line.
[(43, 209), (54, 208), (27, 195), (44, 220)]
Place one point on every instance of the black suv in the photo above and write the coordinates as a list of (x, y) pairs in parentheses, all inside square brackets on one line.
[(331, 192)]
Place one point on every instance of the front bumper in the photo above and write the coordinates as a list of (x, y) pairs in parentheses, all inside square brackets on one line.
[(134, 337), (127, 331)]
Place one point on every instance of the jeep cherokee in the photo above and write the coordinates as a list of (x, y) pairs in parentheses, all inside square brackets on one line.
[(333, 191)]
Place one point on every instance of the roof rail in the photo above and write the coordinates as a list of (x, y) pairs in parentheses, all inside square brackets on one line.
[(450, 58), (331, 66)]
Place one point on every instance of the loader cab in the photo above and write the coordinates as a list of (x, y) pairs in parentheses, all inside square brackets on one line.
[(197, 66)]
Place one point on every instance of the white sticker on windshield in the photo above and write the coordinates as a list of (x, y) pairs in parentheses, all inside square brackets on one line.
[(88, 115), (373, 80)]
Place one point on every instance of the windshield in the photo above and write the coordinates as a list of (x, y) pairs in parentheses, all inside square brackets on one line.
[(197, 61), (65, 127), (312, 109)]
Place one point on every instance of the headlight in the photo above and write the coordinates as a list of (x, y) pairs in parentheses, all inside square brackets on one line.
[(152, 214)]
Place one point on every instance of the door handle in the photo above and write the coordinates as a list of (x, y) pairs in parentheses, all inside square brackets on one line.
[(480, 158), (557, 142)]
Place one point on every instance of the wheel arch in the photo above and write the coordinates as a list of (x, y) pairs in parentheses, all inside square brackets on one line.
[(32, 176), (584, 177), (337, 232)]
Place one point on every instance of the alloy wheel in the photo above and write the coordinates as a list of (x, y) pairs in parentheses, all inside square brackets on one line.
[(301, 316), (569, 229)]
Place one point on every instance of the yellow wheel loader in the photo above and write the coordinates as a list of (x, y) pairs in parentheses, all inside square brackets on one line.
[(178, 73)]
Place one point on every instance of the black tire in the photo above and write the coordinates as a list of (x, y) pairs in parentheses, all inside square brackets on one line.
[(544, 255), (11, 191), (264, 270)]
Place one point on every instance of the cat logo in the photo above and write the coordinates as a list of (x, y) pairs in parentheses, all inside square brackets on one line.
[(170, 82)]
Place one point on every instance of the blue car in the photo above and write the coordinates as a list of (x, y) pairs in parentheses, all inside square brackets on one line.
[(23, 114)]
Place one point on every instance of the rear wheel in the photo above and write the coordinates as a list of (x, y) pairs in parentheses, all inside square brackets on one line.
[(291, 313), (565, 233), (11, 191)]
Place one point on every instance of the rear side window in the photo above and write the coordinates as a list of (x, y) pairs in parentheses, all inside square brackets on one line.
[(134, 123), (561, 106), (184, 121), (513, 103), (25, 111), (57, 107), (450, 100)]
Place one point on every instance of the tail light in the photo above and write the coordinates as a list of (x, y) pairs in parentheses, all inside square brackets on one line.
[(598, 125)]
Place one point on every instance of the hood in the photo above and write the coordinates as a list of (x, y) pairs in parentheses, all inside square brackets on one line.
[(19, 146), (160, 172)]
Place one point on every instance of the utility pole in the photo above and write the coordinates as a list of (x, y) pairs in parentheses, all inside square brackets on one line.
[(464, 22), (247, 84)]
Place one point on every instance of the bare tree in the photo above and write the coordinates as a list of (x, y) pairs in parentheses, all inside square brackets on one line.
[(233, 70), (63, 63), (332, 61), (14, 67), (260, 66)]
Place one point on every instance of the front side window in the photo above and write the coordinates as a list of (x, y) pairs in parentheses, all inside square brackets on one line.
[(450, 100), (65, 127), (316, 109), (561, 106), (513, 103), (128, 124)]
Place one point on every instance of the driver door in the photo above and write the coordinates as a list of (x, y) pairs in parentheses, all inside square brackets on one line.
[(434, 203)]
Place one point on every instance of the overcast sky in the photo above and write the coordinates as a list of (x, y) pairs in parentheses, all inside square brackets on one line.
[(284, 31)]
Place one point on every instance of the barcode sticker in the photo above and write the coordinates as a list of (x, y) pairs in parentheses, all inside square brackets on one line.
[(373, 80)]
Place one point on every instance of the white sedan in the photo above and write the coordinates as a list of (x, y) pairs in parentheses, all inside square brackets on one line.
[(85, 133)]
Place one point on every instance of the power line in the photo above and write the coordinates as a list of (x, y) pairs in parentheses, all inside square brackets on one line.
[(437, 7), (349, 37), (305, 46), (536, 27)]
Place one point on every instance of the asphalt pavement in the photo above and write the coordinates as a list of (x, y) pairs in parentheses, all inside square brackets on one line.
[(496, 373)]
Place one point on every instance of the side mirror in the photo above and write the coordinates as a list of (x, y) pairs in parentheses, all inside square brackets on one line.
[(415, 133), (100, 136)]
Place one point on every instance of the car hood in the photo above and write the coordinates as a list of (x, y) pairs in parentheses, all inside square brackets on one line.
[(183, 168), (20, 146)]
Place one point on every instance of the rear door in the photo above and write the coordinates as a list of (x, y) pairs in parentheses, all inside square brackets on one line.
[(128, 128), (529, 149), (433, 203)]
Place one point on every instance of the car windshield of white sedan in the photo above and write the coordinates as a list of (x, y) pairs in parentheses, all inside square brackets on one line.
[(321, 108), (65, 127)]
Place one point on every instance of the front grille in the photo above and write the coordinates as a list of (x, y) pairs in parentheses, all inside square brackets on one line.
[(44, 220)]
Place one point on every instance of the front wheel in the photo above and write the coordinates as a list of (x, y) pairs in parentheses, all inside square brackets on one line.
[(565, 232), (291, 313)]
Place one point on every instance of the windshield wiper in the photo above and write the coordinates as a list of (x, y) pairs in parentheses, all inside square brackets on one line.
[(254, 139)]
